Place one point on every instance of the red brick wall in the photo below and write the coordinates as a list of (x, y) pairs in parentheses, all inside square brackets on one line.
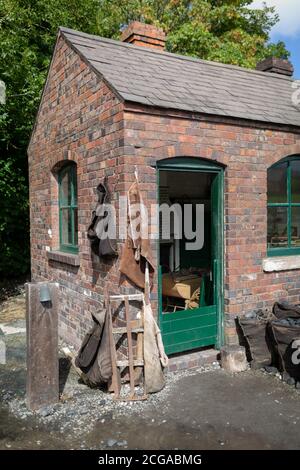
[(82, 120), (247, 152)]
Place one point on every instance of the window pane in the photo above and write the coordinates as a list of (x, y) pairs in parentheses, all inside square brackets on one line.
[(295, 228), (66, 227), (74, 186), (295, 166), (65, 188), (277, 227), (277, 183), (75, 212)]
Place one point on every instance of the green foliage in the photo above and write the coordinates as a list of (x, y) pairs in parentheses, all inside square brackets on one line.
[(13, 220), (28, 30), (222, 30), (227, 31)]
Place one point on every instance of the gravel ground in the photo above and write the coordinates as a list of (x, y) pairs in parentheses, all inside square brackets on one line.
[(198, 409), (80, 411)]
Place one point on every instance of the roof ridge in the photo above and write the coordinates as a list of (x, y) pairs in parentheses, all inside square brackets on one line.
[(172, 55)]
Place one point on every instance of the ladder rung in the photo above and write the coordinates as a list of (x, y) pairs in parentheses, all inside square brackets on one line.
[(125, 363), (123, 329)]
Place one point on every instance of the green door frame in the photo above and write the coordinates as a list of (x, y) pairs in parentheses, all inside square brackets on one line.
[(199, 165)]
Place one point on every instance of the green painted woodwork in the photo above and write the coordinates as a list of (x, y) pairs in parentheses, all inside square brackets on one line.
[(68, 225), (289, 204), (186, 330), (217, 244), (189, 164), (189, 329)]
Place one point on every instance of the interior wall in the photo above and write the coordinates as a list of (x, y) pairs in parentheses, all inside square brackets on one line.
[(189, 187)]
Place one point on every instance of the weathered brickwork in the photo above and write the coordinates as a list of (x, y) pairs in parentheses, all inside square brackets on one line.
[(81, 119), (247, 152)]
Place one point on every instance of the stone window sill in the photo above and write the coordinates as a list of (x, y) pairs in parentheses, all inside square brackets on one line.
[(62, 257), (281, 263)]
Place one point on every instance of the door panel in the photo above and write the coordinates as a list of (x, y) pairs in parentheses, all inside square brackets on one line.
[(189, 329), (186, 330), (217, 231)]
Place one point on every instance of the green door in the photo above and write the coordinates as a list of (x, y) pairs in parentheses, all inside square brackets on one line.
[(217, 230), (186, 330)]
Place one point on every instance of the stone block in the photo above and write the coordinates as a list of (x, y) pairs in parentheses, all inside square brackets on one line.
[(233, 359)]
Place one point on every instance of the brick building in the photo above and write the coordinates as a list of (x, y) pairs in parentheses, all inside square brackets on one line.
[(197, 131)]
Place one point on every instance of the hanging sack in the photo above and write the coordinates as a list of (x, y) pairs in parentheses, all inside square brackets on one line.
[(90, 344), (94, 357), (102, 230), (155, 358)]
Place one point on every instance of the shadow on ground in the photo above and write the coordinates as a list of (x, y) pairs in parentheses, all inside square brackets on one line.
[(196, 410)]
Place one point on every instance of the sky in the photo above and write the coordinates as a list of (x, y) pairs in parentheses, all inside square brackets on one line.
[(288, 29)]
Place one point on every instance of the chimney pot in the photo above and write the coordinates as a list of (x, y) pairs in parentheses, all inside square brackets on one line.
[(147, 35), (275, 65)]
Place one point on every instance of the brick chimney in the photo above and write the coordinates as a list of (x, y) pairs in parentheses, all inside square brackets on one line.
[(146, 35), (274, 65)]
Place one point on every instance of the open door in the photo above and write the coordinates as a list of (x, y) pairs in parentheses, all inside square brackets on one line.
[(217, 230), (188, 324)]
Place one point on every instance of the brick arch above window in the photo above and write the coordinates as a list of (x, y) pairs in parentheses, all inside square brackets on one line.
[(283, 152), (59, 159), (188, 150)]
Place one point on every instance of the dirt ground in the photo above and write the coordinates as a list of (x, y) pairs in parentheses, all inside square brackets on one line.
[(13, 309), (199, 409)]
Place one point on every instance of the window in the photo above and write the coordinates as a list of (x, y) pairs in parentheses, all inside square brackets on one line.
[(284, 208), (68, 222)]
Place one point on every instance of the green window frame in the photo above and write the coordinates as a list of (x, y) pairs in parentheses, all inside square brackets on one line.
[(68, 222), (287, 207)]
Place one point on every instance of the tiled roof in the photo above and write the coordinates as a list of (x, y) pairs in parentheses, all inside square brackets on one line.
[(166, 80)]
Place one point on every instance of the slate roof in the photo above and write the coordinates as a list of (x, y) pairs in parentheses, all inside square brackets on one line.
[(161, 79)]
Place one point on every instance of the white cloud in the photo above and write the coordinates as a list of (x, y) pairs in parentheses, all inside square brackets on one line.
[(289, 13)]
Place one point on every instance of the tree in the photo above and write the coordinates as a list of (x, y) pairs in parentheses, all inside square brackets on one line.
[(28, 30), (227, 31)]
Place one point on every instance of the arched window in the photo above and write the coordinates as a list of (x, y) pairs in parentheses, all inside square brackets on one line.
[(68, 221), (284, 207)]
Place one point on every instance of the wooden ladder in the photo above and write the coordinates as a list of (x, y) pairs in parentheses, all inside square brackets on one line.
[(130, 328)]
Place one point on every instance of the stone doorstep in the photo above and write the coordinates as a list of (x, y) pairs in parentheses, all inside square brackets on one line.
[(192, 360)]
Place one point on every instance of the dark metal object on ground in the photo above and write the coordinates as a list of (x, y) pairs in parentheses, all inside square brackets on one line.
[(42, 386), (285, 310), (286, 330), (258, 338), (285, 337)]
